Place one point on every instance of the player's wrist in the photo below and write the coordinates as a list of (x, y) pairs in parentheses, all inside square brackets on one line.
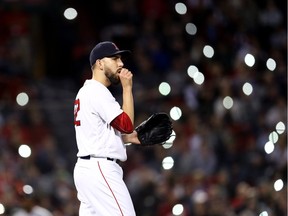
[(127, 87)]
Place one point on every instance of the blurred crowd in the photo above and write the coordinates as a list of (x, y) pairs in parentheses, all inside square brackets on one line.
[(220, 164)]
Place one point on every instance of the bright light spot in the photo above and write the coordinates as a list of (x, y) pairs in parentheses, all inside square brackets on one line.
[(228, 102), (273, 137), (191, 28), (2, 208), (199, 78), (269, 147), (22, 99), (278, 185), (24, 151), (27, 189), (192, 71), (177, 209), (249, 60), (271, 64), (280, 127), (175, 113), (264, 213), (70, 13), (247, 88), (164, 88), (208, 51), (169, 143), (167, 163), (180, 8)]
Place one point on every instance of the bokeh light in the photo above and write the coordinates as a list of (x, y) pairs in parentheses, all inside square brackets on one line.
[(22, 99), (28, 189), (177, 209), (24, 151), (278, 185), (228, 102), (264, 213), (249, 60), (70, 13), (191, 28), (2, 208), (175, 113), (280, 127), (199, 78), (169, 143), (247, 89), (192, 71), (271, 64), (273, 137), (180, 8), (167, 163), (164, 88), (269, 147), (208, 51)]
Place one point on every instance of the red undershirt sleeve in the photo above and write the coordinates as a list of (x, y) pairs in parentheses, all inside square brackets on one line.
[(123, 123)]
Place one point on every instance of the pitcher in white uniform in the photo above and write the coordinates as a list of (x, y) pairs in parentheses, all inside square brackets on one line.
[(102, 129)]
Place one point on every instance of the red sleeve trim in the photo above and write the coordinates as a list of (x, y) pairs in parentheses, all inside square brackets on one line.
[(123, 123)]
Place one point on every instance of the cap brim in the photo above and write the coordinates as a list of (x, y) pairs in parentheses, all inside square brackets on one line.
[(121, 52)]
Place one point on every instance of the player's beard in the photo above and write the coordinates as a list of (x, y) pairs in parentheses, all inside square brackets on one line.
[(112, 77)]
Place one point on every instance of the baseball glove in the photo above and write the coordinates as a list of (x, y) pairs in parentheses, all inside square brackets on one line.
[(157, 129)]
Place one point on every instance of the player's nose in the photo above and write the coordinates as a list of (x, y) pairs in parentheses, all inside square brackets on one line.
[(120, 62)]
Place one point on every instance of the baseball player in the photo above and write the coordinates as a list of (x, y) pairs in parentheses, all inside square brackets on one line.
[(102, 128)]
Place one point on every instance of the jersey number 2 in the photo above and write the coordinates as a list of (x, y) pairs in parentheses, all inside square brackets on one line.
[(76, 110)]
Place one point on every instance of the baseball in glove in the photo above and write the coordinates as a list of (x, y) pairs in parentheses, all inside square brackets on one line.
[(157, 129)]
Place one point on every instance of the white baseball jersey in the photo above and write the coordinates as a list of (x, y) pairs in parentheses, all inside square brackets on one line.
[(94, 109)]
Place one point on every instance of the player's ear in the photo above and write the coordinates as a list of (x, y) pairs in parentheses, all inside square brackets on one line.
[(99, 62)]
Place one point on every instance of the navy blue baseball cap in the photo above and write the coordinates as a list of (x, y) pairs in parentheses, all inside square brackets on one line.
[(105, 49)]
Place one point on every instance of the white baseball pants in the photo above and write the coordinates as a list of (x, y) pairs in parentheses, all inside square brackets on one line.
[(101, 189)]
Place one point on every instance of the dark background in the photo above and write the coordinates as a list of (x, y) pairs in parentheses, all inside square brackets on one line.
[(217, 153)]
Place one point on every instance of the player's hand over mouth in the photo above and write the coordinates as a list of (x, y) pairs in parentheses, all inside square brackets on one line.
[(126, 77)]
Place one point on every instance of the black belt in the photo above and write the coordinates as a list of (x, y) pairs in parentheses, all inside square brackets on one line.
[(89, 156)]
